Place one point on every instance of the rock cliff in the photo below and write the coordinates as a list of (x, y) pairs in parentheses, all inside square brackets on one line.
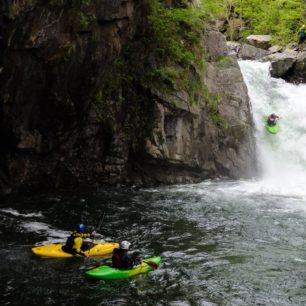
[(57, 59)]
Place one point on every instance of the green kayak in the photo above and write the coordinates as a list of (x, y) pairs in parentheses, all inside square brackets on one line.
[(107, 272), (273, 129)]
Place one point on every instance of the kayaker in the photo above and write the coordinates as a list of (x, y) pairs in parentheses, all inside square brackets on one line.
[(237, 51), (302, 37), (121, 259), (75, 243), (272, 118)]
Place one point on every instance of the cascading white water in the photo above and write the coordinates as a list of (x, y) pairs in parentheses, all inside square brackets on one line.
[(281, 156)]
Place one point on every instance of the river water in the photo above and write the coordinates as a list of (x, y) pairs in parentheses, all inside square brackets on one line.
[(222, 242)]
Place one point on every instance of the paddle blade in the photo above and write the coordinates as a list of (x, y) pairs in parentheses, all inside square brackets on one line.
[(152, 264)]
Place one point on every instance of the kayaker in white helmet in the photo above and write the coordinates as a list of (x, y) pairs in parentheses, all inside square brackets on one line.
[(121, 259)]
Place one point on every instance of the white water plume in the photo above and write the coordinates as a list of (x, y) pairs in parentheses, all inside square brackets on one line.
[(17, 213), (282, 156), (53, 235)]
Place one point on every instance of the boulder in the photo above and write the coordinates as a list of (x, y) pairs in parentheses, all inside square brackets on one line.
[(251, 52), (275, 49), (281, 63), (260, 41), (298, 72)]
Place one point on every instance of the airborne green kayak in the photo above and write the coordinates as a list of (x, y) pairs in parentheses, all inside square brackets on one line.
[(107, 272), (273, 129)]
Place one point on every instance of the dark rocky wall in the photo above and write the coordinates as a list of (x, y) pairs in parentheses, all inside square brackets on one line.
[(57, 55)]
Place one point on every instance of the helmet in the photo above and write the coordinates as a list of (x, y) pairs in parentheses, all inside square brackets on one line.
[(80, 228), (124, 245), (274, 115)]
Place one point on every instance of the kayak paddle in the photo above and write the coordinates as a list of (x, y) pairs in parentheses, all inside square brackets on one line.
[(100, 222)]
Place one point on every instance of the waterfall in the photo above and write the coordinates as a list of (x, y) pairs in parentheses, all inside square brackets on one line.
[(282, 156)]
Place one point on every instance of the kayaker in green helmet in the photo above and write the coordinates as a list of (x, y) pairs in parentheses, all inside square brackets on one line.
[(75, 244), (121, 259)]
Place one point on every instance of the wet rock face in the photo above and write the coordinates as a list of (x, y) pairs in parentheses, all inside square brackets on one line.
[(235, 155), (281, 63), (56, 56), (297, 74), (289, 65), (187, 145)]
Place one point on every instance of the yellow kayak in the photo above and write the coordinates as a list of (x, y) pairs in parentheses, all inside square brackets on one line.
[(55, 250)]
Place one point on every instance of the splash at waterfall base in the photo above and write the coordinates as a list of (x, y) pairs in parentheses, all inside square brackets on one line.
[(281, 157)]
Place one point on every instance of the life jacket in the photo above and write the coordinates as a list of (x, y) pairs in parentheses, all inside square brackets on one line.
[(302, 32), (120, 259), (69, 244), (68, 247)]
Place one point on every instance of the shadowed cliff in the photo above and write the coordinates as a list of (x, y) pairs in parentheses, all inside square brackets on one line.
[(70, 116)]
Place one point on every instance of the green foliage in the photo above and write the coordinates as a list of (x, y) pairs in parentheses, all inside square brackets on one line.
[(279, 18), (86, 2), (175, 42), (283, 19), (86, 20), (16, 7), (172, 60), (223, 61), (212, 109), (166, 75), (176, 32)]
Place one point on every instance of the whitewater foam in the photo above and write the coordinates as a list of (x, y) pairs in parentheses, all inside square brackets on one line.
[(46, 230), (282, 156), (18, 214)]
